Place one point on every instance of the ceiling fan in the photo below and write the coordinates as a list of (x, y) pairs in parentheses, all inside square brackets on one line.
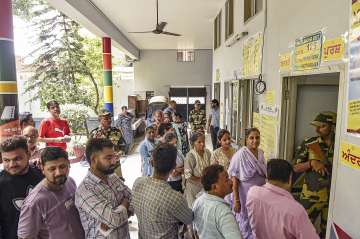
[(159, 29)]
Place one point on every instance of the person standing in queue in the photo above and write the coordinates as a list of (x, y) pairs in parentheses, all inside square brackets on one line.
[(49, 210), (247, 169), (314, 158), (26, 119), (214, 122), (146, 148), (54, 131), (106, 131), (197, 118), (16, 181), (124, 122)]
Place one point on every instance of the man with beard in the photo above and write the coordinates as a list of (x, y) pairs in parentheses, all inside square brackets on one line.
[(102, 198), (114, 134), (314, 159), (54, 131), (49, 210), (16, 181), (31, 134)]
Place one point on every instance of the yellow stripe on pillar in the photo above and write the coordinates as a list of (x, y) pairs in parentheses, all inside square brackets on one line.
[(8, 87), (108, 94)]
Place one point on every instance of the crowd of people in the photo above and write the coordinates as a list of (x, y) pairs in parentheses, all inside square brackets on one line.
[(186, 189)]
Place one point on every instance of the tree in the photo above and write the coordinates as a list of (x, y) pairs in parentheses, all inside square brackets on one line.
[(62, 70)]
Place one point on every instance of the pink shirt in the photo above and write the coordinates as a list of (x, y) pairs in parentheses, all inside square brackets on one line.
[(274, 213)]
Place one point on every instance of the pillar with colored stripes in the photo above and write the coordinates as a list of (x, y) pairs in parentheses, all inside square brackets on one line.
[(108, 91), (9, 124)]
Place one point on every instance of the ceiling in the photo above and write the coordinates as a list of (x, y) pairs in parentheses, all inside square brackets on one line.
[(193, 19)]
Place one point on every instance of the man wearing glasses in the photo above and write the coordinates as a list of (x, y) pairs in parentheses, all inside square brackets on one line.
[(32, 135), (106, 131)]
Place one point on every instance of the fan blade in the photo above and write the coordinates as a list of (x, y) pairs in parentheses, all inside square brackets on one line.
[(171, 34), (161, 26), (142, 32)]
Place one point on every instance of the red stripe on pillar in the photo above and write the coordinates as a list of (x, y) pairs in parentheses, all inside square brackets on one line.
[(106, 44), (6, 24), (107, 61)]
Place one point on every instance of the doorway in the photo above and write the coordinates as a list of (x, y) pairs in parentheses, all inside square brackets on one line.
[(303, 98), (216, 91), (241, 104), (185, 98)]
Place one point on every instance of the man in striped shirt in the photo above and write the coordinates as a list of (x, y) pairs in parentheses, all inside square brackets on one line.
[(103, 200)]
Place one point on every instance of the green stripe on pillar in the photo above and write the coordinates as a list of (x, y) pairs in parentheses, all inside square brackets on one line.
[(108, 78)]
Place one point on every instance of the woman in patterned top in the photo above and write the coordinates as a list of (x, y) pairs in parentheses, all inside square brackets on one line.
[(223, 154), (196, 161)]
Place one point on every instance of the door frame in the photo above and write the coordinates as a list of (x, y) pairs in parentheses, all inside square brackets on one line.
[(289, 107)]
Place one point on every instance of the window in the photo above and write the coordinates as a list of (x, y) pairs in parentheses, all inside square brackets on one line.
[(251, 8), (217, 31), (185, 55), (229, 18)]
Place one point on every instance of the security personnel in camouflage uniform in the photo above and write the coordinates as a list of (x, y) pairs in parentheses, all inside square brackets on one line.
[(314, 159), (105, 130), (197, 118)]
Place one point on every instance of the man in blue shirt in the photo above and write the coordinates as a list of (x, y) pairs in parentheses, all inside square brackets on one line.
[(146, 148), (214, 122), (213, 218)]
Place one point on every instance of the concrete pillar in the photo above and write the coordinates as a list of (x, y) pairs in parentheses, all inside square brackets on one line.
[(9, 124), (108, 90)]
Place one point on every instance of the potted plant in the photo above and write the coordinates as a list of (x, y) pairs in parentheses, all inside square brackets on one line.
[(77, 116)]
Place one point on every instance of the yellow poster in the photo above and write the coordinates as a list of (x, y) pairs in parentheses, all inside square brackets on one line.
[(252, 55), (355, 22), (268, 136), (267, 124), (333, 49), (353, 108), (285, 62), (354, 116), (350, 155), (256, 120), (270, 97), (308, 52), (217, 78)]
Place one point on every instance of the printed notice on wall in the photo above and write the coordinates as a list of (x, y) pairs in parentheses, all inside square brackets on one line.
[(350, 155), (285, 62), (252, 51), (308, 52), (353, 108), (267, 124)]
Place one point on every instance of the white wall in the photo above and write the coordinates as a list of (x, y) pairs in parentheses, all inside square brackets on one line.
[(157, 70), (288, 20)]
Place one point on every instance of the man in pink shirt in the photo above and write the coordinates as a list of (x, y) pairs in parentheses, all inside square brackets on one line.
[(273, 211)]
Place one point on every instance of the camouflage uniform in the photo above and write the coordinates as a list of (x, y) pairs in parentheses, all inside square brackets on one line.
[(315, 188), (197, 120), (116, 137)]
